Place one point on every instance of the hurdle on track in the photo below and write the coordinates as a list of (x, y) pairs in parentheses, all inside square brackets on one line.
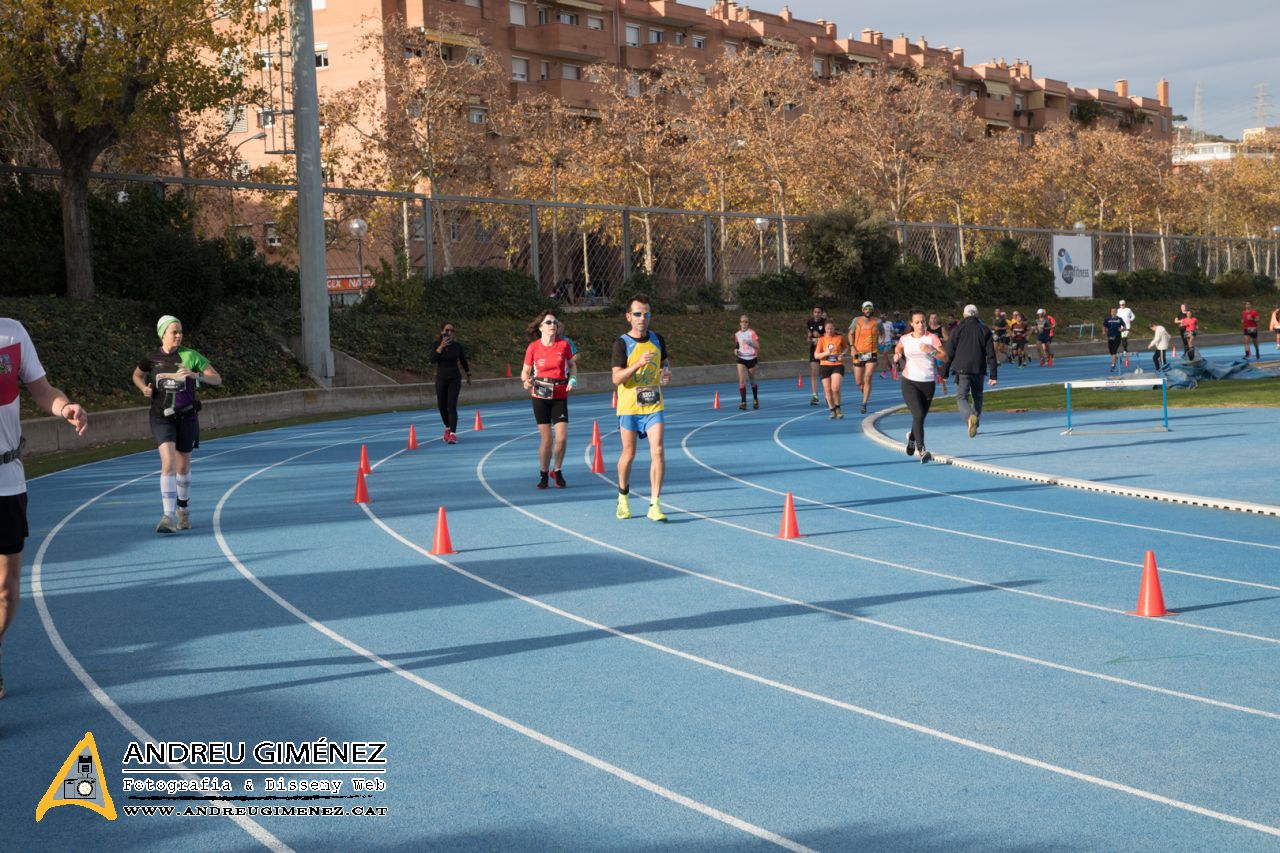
[(1117, 382)]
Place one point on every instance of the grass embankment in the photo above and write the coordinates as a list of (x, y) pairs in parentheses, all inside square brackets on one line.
[(1227, 394)]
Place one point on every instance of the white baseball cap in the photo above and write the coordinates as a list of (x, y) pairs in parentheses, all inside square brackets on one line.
[(867, 305), (1121, 301), (1039, 310)]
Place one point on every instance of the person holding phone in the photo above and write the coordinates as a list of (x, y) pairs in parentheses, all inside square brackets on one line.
[(170, 376), (549, 375), (451, 364)]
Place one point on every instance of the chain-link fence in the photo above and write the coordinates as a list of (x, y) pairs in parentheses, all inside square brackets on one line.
[(582, 254)]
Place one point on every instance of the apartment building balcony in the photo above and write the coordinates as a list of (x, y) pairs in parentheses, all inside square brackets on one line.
[(641, 56), (665, 13), (575, 93), (564, 41)]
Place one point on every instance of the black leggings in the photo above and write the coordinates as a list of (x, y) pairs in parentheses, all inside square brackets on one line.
[(919, 397), (1159, 357), (447, 401)]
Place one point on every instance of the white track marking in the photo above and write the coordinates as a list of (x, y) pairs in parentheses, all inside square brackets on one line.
[(493, 716), (254, 829), (988, 502), (918, 570), (758, 679)]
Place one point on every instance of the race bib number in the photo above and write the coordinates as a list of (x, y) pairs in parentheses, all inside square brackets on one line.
[(170, 384), (647, 397), (864, 357), (543, 390)]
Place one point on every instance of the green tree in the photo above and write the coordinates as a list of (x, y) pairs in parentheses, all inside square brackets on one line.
[(90, 73), (848, 250)]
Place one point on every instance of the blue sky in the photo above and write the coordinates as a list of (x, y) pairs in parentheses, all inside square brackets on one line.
[(1228, 46)]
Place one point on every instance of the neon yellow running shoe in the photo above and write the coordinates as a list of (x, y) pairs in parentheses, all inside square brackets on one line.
[(655, 512), (624, 506)]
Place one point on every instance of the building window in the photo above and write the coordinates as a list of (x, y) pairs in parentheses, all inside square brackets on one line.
[(519, 69), (474, 58), (544, 15), (474, 4), (446, 52), (1022, 139), (266, 119), (240, 171), (477, 115), (730, 47), (655, 36), (570, 72), (544, 70), (1017, 102), (235, 121), (633, 35), (270, 236), (322, 55), (517, 12), (570, 18), (679, 38), (595, 23), (633, 86), (973, 93), (699, 42), (819, 67)]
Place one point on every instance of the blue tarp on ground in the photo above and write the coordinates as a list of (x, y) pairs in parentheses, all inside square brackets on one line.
[(1187, 374)]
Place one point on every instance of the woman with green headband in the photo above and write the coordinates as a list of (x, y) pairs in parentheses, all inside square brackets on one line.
[(170, 377)]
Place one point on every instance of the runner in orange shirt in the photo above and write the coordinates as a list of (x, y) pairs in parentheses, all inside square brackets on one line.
[(829, 350), (864, 341)]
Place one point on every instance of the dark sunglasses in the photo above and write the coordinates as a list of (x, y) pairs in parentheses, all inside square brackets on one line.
[(641, 314), (548, 322)]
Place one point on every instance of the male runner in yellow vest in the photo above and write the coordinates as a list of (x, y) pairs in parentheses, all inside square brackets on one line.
[(640, 369)]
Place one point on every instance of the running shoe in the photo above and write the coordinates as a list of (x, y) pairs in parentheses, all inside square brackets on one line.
[(813, 401), (839, 413), (446, 435), (755, 404), (925, 456), (1042, 362), (863, 410), (832, 416), (624, 506), (911, 445), (453, 438), (973, 425), (560, 484), (184, 518), (166, 525), (742, 406), (655, 512), (542, 480)]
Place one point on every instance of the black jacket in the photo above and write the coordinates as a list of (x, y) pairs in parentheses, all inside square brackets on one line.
[(971, 349)]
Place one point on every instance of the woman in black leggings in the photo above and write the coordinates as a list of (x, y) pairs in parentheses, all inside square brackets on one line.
[(451, 363), (920, 352)]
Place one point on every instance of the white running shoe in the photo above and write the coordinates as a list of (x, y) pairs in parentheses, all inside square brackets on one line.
[(166, 525), (184, 518)]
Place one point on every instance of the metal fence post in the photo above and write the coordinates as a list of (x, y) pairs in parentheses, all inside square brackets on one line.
[(777, 239), (535, 266), (708, 261), (428, 240), (626, 244)]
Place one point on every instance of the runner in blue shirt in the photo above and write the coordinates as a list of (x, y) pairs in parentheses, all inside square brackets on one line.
[(1114, 325)]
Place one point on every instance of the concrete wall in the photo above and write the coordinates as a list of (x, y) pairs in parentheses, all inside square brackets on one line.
[(45, 435)]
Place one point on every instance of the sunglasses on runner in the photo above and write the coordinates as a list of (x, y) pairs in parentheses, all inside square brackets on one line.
[(641, 314), (548, 322)]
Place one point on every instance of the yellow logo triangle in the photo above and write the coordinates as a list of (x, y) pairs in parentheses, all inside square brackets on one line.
[(80, 782)]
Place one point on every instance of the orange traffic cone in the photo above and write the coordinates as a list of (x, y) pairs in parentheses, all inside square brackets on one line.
[(790, 530), (478, 424), (614, 402), (800, 381), (508, 371), (1175, 351), (362, 491), (413, 438), (442, 543), (1150, 598), (1126, 359), (364, 460), (595, 433), (597, 464), (715, 404)]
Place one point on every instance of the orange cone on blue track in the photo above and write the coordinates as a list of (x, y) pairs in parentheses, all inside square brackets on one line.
[(790, 529), (715, 404), (479, 425), (413, 438), (595, 433), (1126, 359), (800, 381), (1150, 597), (362, 490), (442, 544), (508, 371), (365, 468), (597, 464)]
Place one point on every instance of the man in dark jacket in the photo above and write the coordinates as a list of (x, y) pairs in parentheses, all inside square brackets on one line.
[(971, 352)]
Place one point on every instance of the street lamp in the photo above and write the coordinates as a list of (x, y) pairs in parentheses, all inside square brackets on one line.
[(1079, 226), (762, 225), (358, 229), (1275, 249)]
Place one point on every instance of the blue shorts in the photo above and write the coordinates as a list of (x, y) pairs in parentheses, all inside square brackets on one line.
[(640, 423)]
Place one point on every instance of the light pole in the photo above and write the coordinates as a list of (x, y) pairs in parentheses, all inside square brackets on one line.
[(1275, 251), (358, 228), (762, 225)]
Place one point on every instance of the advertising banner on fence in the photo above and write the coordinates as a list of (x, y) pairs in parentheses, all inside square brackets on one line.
[(1072, 266)]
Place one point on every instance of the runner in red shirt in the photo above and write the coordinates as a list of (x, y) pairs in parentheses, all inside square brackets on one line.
[(1249, 319), (549, 374)]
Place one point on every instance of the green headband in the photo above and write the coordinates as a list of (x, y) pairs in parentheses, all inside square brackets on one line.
[(163, 323)]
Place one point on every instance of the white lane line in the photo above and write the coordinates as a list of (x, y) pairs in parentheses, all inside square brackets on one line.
[(1035, 510), (918, 570), (253, 828), (758, 679), (493, 716)]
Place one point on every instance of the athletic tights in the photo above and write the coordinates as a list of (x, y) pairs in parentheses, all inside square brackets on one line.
[(447, 400), (919, 397)]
